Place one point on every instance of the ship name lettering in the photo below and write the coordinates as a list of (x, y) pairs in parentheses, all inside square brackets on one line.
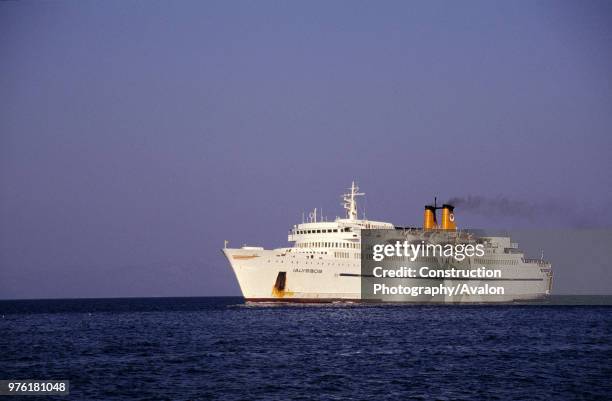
[(307, 270)]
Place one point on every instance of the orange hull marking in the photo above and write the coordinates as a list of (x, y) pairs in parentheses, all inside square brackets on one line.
[(245, 256)]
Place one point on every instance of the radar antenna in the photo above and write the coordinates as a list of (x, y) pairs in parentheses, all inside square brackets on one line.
[(350, 203)]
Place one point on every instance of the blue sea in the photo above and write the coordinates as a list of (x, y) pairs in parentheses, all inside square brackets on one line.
[(221, 349)]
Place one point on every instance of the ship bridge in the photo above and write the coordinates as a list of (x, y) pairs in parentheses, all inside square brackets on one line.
[(342, 229)]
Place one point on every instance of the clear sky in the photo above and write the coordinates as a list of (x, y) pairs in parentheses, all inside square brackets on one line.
[(136, 136)]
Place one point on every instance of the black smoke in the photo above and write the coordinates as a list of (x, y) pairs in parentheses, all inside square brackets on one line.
[(547, 213)]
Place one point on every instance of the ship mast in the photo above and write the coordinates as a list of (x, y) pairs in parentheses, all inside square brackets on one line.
[(350, 204)]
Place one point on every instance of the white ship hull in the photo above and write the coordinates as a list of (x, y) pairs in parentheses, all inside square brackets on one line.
[(327, 280)]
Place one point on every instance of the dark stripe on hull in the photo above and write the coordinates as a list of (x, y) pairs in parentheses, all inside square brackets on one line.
[(306, 300), (380, 301)]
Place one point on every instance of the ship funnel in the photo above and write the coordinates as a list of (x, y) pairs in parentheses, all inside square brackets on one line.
[(429, 220), (448, 217)]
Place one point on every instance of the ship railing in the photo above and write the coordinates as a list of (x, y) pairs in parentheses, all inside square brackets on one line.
[(539, 262)]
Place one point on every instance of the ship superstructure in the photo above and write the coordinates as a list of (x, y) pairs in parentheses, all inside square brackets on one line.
[(324, 262)]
